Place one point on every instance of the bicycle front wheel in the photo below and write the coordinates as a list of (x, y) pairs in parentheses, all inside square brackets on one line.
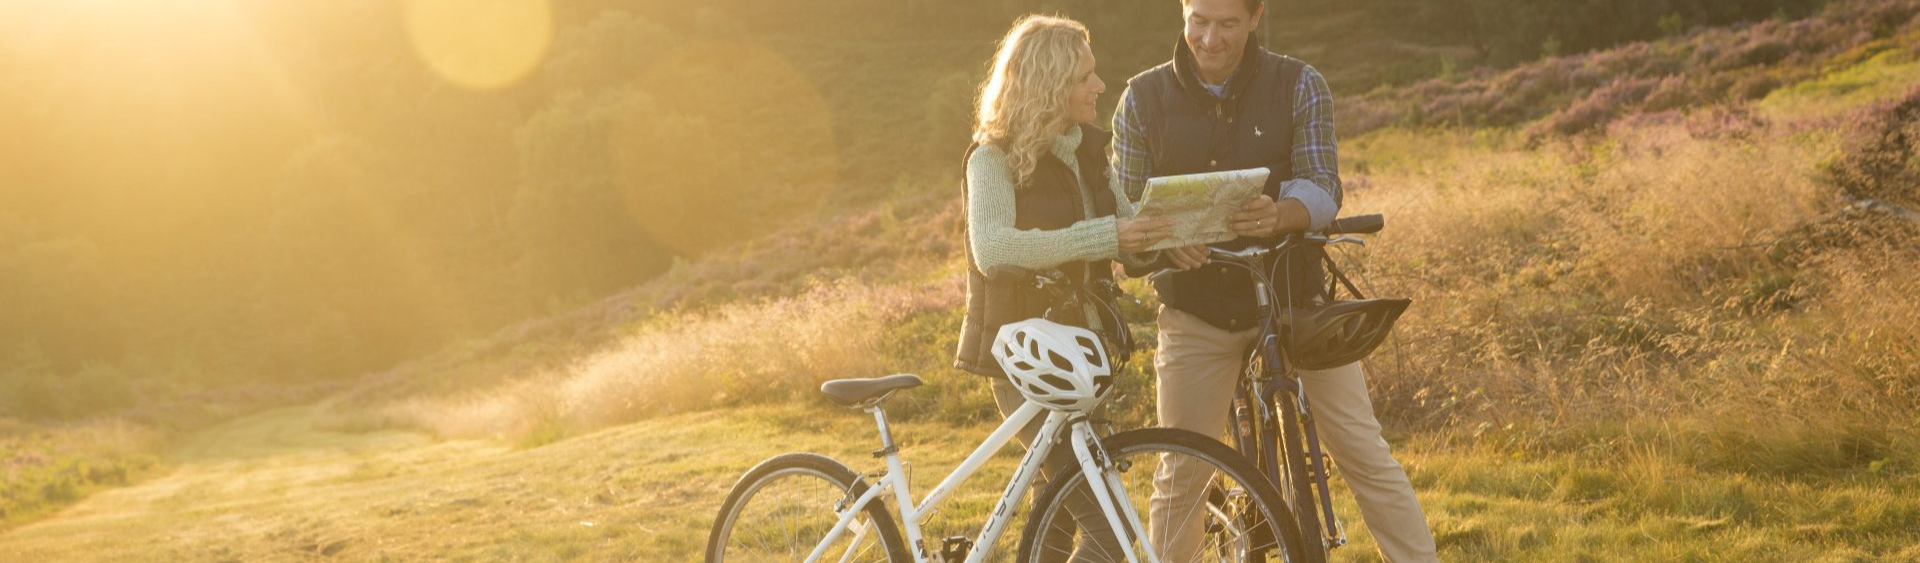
[(784, 507), (1199, 500), (1296, 481)]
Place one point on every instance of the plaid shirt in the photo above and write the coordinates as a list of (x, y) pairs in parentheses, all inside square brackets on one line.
[(1316, 161)]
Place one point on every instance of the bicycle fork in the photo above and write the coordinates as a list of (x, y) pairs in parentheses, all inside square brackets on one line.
[(1103, 477), (1269, 391), (1335, 535)]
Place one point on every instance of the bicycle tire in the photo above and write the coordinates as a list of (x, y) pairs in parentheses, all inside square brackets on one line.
[(1296, 483), (1240, 501), (1251, 438), (823, 483)]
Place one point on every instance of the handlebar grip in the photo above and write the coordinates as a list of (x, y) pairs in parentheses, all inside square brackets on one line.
[(1357, 225)]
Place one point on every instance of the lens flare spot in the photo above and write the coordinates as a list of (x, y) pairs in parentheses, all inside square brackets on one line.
[(480, 44)]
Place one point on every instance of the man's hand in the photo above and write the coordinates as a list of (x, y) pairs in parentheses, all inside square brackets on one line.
[(1139, 235), (1263, 217), (1259, 217), (1187, 257)]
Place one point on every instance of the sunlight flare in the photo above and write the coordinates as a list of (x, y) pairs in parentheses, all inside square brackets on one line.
[(480, 44)]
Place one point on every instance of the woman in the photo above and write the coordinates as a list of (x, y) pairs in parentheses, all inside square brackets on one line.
[(1038, 197), (1037, 190)]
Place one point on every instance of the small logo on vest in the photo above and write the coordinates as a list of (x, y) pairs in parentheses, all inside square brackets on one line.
[(1256, 130)]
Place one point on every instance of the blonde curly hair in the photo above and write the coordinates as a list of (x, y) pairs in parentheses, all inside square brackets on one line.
[(1023, 102)]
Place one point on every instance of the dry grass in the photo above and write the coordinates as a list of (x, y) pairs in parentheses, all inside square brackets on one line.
[(1695, 270), (751, 352)]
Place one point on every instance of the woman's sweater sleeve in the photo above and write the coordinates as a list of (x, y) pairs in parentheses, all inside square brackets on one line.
[(1125, 209), (995, 241)]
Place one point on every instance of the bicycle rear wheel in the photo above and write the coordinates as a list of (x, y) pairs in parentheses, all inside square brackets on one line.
[(784, 507), (1230, 513)]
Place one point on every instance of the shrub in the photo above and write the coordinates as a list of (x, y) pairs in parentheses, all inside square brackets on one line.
[(1580, 92), (1884, 163)]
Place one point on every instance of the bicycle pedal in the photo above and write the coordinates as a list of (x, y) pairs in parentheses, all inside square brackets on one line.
[(955, 549)]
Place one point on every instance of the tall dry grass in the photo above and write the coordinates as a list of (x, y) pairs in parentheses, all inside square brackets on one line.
[(1691, 274), (750, 352)]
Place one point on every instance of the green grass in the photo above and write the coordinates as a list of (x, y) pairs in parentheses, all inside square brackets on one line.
[(47, 468), (273, 488), (1871, 73)]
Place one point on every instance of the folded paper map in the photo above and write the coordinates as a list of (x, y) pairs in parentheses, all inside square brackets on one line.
[(1198, 204)]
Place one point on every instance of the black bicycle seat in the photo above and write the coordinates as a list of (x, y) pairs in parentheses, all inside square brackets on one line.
[(857, 392)]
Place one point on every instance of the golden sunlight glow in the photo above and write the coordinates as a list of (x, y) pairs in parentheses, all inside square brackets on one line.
[(731, 140), (480, 44)]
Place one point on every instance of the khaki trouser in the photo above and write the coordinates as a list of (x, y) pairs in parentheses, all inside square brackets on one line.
[(1198, 365)]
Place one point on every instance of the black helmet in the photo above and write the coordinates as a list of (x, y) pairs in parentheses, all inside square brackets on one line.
[(1341, 332)]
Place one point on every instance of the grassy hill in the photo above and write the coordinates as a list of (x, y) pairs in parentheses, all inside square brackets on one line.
[(1664, 303)]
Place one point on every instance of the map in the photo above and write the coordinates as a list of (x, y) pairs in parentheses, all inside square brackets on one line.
[(1198, 204)]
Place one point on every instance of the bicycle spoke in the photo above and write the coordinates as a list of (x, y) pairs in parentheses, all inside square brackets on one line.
[(1193, 507)]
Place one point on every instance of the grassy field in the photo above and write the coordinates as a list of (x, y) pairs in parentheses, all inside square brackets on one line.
[(271, 487)]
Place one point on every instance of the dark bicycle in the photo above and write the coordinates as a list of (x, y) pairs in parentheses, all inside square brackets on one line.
[(1271, 421)]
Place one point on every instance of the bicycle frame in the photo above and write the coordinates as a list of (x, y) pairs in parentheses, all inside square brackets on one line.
[(1268, 387), (1275, 382), (1093, 462)]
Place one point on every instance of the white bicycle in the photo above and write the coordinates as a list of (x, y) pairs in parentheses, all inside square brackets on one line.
[(804, 507)]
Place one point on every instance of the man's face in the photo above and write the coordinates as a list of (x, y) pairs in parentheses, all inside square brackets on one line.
[(1217, 32)]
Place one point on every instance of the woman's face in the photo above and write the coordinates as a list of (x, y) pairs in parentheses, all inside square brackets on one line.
[(1086, 90)]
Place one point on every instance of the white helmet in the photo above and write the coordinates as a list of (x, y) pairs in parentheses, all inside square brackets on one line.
[(1059, 366)]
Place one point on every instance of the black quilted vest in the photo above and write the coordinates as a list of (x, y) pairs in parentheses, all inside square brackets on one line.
[(1189, 130), (1050, 201)]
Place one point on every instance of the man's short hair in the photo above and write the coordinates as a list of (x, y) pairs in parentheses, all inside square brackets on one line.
[(1252, 5)]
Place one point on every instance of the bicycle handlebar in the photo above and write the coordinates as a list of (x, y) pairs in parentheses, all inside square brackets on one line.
[(1357, 225)]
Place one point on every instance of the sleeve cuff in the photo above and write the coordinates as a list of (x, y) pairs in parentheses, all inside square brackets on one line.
[(1321, 208)]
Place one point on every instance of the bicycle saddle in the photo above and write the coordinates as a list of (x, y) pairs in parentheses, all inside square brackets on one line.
[(1341, 332), (858, 392)]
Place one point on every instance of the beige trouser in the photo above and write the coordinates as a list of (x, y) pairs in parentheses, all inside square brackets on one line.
[(1198, 365)]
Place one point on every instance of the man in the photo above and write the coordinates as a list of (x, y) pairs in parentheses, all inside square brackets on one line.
[(1224, 103)]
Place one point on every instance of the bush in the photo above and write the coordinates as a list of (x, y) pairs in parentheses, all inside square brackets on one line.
[(1884, 163), (1579, 93)]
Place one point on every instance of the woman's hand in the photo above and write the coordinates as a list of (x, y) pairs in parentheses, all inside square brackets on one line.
[(1138, 235)]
